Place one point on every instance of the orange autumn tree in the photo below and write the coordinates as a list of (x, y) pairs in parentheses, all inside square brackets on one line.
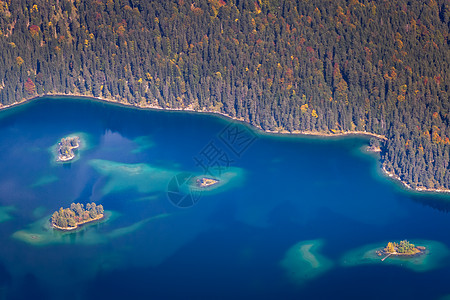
[(34, 30), (390, 248), (30, 87), (19, 61)]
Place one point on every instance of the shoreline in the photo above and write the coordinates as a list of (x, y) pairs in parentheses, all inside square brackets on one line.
[(99, 217), (392, 175), (188, 109), (66, 159), (324, 134)]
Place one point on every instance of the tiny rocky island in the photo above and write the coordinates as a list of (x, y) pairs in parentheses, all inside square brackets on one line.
[(403, 248), (66, 147), (76, 215), (206, 182)]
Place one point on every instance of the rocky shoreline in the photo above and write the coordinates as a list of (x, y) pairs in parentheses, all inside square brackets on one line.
[(392, 175), (99, 217), (66, 147), (190, 109)]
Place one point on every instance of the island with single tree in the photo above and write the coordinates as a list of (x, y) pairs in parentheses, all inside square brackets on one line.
[(66, 146), (71, 218), (206, 182), (403, 248)]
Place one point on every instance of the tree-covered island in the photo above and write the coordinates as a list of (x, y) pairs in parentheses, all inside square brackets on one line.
[(66, 146), (76, 215), (403, 248)]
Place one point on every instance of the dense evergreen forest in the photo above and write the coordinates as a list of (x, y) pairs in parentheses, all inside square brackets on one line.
[(296, 65)]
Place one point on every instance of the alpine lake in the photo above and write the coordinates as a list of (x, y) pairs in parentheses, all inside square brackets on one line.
[(291, 217)]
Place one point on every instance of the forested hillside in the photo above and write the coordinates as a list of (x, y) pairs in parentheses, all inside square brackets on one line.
[(328, 66)]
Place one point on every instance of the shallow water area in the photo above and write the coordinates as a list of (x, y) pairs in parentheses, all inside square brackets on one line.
[(142, 178), (435, 256), (304, 262), (5, 213), (144, 143), (229, 179), (42, 233)]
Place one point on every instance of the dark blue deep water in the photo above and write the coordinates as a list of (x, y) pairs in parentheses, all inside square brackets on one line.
[(291, 218)]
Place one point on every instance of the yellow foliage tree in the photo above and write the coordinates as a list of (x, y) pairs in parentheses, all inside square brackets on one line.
[(390, 248), (19, 60), (304, 108)]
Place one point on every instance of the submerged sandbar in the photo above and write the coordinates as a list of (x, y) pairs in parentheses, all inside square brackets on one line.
[(303, 262), (41, 233)]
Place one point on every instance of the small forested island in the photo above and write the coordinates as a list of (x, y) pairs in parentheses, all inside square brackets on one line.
[(76, 215), (403, 248), (66, 146), (206, 182)]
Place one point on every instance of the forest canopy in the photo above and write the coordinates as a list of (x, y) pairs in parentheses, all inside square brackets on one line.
[(76, 214), (281, 65)]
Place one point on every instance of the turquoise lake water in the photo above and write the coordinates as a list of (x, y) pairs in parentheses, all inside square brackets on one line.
[(291, 217)]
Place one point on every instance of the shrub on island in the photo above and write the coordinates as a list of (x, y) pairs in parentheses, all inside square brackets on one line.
[(66, 146), (403, 248)]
